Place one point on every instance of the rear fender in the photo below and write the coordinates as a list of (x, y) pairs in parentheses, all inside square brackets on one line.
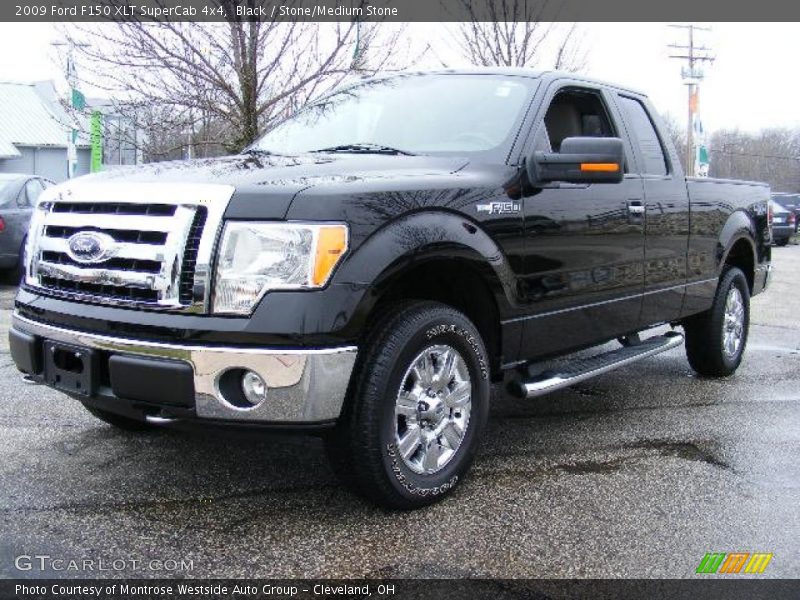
[(738, 226)]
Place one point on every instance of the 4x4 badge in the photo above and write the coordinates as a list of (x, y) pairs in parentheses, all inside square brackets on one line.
[(499, 208)]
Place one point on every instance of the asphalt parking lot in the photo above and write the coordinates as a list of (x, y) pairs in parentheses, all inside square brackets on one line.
[(638, 473)]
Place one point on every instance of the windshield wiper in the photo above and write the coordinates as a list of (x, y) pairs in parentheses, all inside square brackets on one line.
[(364, 148)]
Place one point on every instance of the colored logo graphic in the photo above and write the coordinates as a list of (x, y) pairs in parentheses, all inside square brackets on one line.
[(734, 562)]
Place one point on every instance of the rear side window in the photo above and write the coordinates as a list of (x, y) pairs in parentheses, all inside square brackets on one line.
[(653, 160)]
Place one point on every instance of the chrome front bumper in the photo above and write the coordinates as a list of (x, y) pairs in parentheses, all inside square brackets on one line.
[(304, 385)]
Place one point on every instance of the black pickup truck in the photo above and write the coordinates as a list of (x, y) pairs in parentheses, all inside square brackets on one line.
[(374, 264)]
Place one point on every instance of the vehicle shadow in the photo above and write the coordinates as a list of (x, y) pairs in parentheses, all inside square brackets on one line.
[(92, 464)]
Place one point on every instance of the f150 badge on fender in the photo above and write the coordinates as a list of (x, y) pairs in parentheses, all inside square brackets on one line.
[(499, 208)]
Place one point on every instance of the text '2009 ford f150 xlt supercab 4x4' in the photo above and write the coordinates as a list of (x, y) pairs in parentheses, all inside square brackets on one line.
[(375, 263)]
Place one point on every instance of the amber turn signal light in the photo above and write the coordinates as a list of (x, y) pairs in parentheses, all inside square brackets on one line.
[(331, 246), (604, 167)]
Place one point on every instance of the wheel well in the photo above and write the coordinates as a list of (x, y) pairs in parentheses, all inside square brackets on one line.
[(458, 285), (741, 256)]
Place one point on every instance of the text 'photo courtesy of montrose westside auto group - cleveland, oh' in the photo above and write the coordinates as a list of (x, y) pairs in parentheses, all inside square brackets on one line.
[(399, 299)]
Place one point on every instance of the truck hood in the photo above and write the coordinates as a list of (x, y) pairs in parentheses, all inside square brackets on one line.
[(284, 174)]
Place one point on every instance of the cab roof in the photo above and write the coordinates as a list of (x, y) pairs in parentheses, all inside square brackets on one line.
[(544, 75)]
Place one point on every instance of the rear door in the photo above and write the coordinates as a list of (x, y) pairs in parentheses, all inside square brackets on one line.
[(666, 212), (584, 244)]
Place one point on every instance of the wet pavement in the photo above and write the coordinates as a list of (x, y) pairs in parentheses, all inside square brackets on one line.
[(637, 473)]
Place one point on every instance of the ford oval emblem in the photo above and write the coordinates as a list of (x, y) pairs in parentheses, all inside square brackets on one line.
[(90, 247)]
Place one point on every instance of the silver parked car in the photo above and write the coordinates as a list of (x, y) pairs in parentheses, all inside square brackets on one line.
[(18, 196)]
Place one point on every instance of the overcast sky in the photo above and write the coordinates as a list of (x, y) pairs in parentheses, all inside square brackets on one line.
[(752, 84)]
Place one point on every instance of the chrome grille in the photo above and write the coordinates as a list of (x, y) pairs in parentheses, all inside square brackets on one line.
[(157, 252)]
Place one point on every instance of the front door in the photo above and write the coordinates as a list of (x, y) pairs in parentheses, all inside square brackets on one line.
[(584, 244)]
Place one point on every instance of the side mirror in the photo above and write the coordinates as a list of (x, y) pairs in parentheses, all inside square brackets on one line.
[(581, 160)]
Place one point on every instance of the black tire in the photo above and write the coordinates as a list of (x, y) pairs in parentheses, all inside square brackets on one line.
[(118, 421), (362, 449), (782, 242), (704, 332)]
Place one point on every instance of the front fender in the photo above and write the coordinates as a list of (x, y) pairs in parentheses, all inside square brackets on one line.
[(423, 236)]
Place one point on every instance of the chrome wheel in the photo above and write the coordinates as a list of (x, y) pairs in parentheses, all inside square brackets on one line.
[(733, 325), (432, 409)]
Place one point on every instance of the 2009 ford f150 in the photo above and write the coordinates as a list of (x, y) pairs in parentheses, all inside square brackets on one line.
[(374, 263)]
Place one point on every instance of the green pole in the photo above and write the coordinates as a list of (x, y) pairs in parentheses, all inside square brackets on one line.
[(96, 141)]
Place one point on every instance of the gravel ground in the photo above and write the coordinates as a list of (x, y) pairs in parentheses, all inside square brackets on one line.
[(637, 473)]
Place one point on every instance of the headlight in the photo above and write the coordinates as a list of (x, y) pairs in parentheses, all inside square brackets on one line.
[(255, 258)]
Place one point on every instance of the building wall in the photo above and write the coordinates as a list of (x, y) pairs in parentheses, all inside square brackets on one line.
[(50, 163)]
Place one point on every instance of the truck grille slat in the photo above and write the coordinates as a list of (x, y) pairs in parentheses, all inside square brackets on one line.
[(114, 208), (116, 263), (100, 291), (119, 235), (113, 221)]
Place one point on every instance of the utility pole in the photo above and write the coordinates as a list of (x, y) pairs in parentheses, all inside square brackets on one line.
[(77, 102), (692, 75)]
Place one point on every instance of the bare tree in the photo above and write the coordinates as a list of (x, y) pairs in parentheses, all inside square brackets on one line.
[(227, 80), (512, 33), (770, 155), (677, 135)]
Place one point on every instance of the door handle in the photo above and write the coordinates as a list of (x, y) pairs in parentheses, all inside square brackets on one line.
[(635, 207)]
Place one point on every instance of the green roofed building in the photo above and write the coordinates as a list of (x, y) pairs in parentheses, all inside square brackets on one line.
[(35, 128)]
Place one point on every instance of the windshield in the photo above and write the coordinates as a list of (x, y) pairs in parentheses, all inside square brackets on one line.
[(417, 114)]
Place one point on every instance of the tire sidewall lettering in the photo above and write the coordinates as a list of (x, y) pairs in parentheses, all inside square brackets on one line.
[(414, 484), (411, 488), (439, 330)]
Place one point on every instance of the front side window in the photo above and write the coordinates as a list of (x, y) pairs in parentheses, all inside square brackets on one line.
[(576, 114), (418, 114)]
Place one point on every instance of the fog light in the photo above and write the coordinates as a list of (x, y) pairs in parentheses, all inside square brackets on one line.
[(254, 387)]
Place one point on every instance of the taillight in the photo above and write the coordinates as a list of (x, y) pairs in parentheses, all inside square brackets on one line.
[(2, 225), (769, 214), (791, 218)]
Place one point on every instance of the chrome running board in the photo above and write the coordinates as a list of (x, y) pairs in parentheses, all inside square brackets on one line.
[(586, 368)]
